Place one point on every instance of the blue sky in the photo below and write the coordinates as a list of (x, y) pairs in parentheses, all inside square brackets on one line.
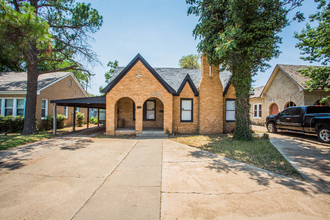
[(161, 32)]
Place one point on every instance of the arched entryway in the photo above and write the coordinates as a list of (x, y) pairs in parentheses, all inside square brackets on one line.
[(125, 114), (153, 114), (289, 104), (318, 102), (273, 109)]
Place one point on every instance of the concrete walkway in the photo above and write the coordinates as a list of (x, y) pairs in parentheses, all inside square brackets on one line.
[(309, 156), (100, 178)]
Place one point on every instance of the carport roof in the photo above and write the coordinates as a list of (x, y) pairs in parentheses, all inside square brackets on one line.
[(88, 102)]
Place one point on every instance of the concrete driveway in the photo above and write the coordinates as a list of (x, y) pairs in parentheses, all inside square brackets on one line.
[(95, 178), (309, 156)]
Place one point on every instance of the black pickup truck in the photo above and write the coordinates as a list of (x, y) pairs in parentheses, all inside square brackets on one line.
[(304, 119)]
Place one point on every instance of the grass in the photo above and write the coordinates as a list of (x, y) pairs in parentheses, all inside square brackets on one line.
[(14, 139), (259, 152)]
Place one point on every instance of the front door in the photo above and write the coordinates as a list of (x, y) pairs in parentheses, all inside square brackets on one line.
[(274, 109)]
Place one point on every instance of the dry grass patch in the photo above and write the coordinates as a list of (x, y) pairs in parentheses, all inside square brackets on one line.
[(259, 152)]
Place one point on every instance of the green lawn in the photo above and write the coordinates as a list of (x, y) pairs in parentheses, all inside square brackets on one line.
[(259, 152), (14, 140)]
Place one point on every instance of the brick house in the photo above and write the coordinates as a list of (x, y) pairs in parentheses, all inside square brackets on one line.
[(284, 88), (58, 85), (140, 97)]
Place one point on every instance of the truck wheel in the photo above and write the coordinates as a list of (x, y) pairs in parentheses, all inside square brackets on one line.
[(323, 134), (271, 127)]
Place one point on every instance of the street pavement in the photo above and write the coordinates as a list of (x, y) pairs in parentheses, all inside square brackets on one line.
[(102, 178)]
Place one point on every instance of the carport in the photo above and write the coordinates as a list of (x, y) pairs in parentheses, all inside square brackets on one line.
[(88, 102)]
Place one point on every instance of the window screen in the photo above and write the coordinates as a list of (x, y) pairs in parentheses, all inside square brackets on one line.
[(186, 110), (230, 110)]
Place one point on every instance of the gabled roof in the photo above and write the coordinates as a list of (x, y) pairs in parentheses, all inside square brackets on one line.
[(17, 81), (173, 77), (11, 82), (257, 92), (137, 58), (291, 71), (188, 80)]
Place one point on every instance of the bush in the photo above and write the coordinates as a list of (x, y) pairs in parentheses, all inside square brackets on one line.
[(80, 119), (11, 124), (47, 123), (93, 120)]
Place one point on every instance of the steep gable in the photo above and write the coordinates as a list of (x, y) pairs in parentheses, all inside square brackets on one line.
[(129, 67)]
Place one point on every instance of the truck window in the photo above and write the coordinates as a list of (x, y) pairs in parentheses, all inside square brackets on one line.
[(287, 111), (296, 111), (314, 110)]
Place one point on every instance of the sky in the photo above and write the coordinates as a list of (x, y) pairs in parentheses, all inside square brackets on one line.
[(161, 31)]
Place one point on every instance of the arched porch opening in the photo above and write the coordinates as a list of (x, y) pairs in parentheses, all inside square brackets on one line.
[(153, 115), (318, 102), (125, 115), (273, 109)]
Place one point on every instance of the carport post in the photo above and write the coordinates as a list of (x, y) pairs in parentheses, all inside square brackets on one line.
[(87, 117), (98, 117), (74, 119), (54, 119)]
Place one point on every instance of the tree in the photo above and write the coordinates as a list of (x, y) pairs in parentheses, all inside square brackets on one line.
[(109, 74), (44, 34), (315, 43), (191, 61), (241, 36)]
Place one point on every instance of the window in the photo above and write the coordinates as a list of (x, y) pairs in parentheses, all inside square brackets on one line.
[(186, 110), (70, 82), (296, 111), (318, 102), (20, 107), (230, 110), (287, 112), (66, 111), (44, 108), (150, 110), (77, 109), (257, 111), (290, 104), (9, 106), (1, 107)]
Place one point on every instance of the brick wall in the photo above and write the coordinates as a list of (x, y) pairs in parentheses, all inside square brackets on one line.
[(139, 85), (185, 127), (210, 100), (61, 90)]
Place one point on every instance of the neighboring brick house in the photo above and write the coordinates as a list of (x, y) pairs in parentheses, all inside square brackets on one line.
[(140, 97), (284, 88), (58, 85)]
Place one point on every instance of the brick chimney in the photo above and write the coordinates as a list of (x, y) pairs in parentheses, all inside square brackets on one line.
[(211, 117)]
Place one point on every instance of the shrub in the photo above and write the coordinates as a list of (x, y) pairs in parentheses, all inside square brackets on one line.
[(47, 123), (60, 121), (11, 124), (93, 120), (80, 119)]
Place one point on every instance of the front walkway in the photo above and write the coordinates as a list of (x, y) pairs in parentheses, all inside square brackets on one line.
[(101, 178)]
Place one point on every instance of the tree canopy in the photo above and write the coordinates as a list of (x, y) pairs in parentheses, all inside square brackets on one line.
[(48, 36), (241, 36), (315, 44), (190, 61)]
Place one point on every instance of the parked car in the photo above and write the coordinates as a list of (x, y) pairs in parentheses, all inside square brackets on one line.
[(303, 119)]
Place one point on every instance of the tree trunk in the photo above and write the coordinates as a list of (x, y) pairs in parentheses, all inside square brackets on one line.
[(31, 102), (242, 80)]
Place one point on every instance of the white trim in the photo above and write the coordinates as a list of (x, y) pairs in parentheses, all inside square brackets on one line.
[(258, 111), (66, 111), (69, 74), (13, 92), (46, 108)]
